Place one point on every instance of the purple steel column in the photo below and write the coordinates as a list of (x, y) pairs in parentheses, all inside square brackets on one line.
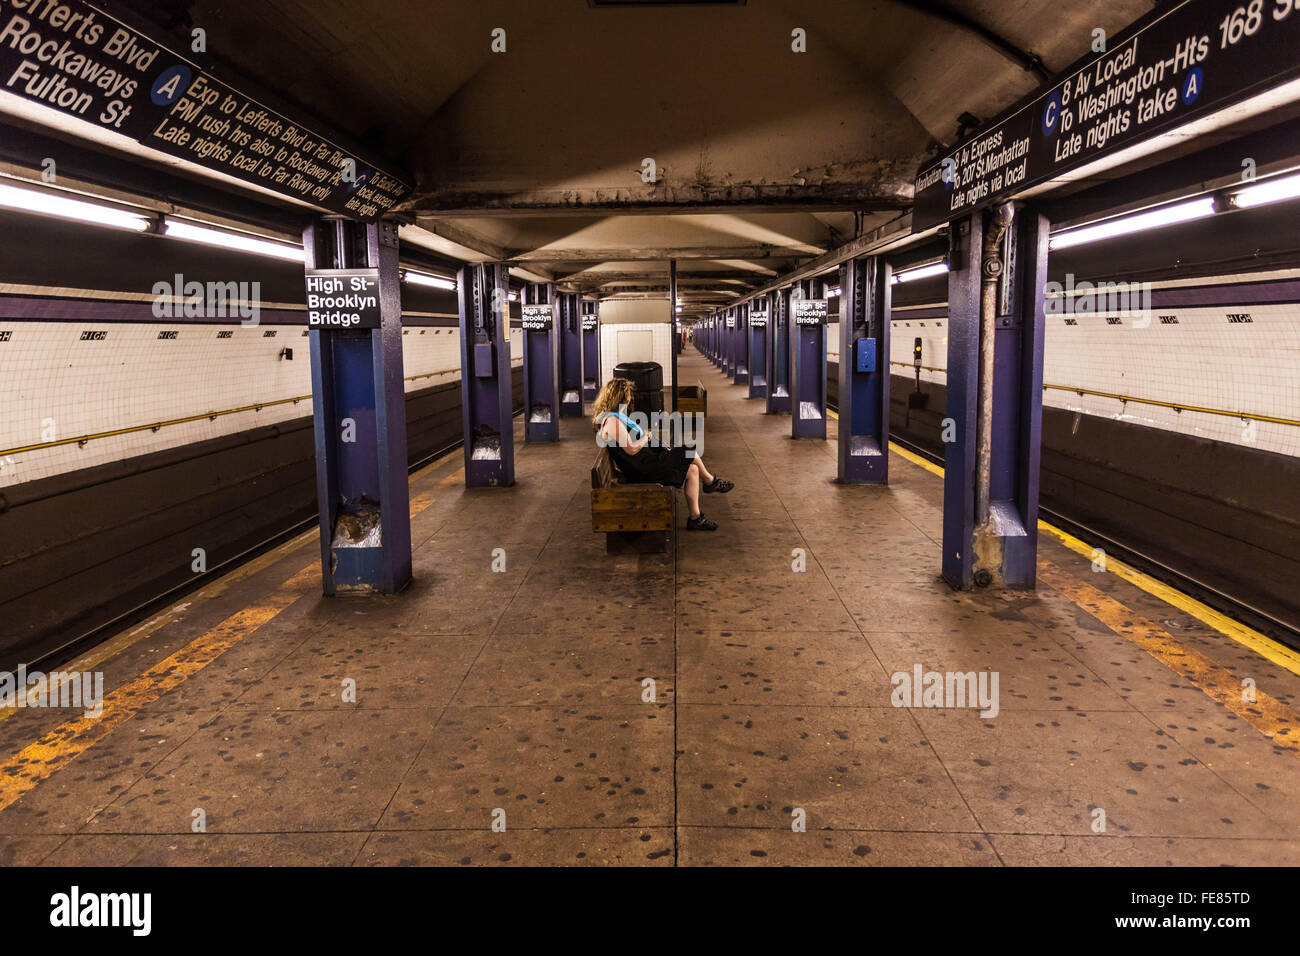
[(541, 364), (729, 349), (958, 426), (757, 332), (487, 412), (742, 344), (1018, 385), (568, 337), (999, 547), (590, 349), (808, 361), (778, 354), (863, 453), (359, 411)]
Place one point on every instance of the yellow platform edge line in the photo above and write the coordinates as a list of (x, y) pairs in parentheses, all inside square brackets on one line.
[(1261, 644), (36, 762), (1265, 713), (120, 641)]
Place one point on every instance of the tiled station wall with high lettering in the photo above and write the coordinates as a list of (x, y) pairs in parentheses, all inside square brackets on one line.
[(1203, 347), (73, 379)]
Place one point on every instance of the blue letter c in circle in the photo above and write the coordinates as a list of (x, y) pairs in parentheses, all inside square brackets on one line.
[(1051, 113), (170, 84)]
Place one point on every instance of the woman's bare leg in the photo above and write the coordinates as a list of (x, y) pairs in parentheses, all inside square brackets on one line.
[(705, 474), (692, 488)]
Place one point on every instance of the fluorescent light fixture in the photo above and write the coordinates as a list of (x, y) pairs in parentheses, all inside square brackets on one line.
[(1270, 190), (1124, 225), (921, 272), (679, 308), (51, 204), (832, 293), (423, 278), (239, 242), (514, 296)]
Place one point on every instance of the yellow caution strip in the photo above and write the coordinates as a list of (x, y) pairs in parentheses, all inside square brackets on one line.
[(1264, 646), (38, 761), (1266, 714), (423, 500), (115, 645), (94, 658), (915, 459)]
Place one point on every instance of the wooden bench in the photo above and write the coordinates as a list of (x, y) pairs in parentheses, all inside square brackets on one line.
[(636, 518), (692, 398)]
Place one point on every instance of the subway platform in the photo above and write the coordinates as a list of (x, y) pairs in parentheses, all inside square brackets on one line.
[(532, 700)]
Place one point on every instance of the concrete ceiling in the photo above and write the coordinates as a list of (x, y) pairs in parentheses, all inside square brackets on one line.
[(764, 157)]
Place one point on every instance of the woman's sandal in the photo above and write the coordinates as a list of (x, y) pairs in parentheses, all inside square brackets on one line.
[(719, 486), (700, 523)]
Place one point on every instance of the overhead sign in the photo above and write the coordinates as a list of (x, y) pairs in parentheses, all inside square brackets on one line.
[(343, 298), (1169, 68), (72, 57), (810, 311), (757, 320), (538, 318)]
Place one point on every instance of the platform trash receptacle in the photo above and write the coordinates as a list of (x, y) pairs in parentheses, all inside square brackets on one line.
[(647, 380)]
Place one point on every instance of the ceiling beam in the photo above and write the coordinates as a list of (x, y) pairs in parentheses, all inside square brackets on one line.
[(663, 286), (1029, 62), (718, 297), (595, 275), (464, 237), (890, 237), (657, 282), (883, 191), (611, 254)]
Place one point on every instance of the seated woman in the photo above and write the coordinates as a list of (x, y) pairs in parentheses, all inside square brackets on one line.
[(638, 462)]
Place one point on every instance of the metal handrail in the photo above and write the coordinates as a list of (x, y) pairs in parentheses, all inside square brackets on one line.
[(1177, 406), (210, 416)]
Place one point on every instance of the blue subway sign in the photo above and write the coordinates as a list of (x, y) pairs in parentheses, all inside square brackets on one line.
[(72, 57), (1168, 69)]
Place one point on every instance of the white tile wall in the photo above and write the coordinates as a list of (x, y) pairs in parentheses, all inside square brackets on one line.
[(660, 346), (54, 386), (1202, 360)]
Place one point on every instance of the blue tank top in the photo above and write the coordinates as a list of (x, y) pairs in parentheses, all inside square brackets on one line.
[(632, 426)]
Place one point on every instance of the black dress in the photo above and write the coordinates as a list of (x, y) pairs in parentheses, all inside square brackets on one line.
[(652, 464)]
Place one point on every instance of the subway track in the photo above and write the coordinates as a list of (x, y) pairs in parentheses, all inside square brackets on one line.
[(147, 609)]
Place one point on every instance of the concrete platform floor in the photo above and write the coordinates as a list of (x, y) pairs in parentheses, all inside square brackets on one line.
[(521, 694)]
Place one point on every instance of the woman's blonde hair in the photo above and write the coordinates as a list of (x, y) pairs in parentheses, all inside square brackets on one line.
[(615, 393)]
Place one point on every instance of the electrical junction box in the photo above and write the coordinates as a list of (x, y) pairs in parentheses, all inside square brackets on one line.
[(866, 355)]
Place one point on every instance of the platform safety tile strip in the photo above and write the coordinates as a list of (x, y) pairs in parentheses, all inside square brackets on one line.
[(40, 760), (1266, 714), (1264, 646)]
